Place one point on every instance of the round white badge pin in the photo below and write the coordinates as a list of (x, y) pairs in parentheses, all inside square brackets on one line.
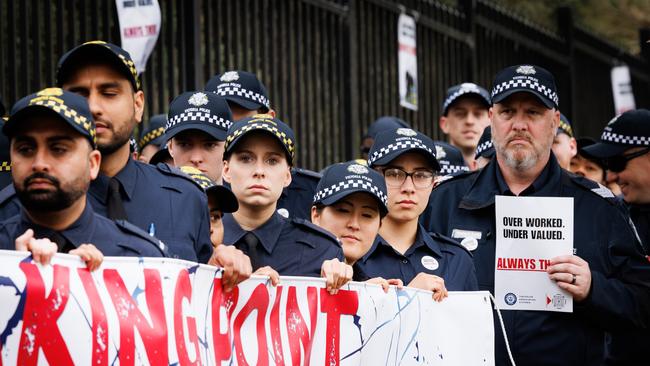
[(469, 243), (429, 263)]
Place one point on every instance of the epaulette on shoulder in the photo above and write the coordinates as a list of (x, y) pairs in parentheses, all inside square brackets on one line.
[(314, 228), (455, 177), (449, 241), (595, 188), (175, 172), (308, 173), (7, 194), (131, 229)]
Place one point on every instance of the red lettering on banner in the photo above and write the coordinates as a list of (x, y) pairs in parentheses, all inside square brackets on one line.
[(222, 341), (150, 29), (344, 303), (40, 330), (259, 300), (99, 322), (276, 337), (296, 329), (154, 336), (184, 291)]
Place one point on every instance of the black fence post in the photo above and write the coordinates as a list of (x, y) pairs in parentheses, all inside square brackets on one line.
[(350, 121), (468, 8), (565, 26), (191, 22), (644, 40)]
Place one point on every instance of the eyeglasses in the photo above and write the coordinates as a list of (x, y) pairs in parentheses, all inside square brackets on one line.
[(395, 177), (617, 163)]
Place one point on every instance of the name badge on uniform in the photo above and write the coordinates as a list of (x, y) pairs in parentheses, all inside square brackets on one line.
[(462, 234)]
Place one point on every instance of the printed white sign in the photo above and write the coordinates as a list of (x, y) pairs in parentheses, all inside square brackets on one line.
[(139, 28), (407, 62), (622, 89), (531, 231)]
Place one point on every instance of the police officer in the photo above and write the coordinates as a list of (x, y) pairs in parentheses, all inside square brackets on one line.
[(484, 150), (404, 249), (258, 155), (450, 159), (151, 138), (220, 200), (380, 124), (54, 158), (585, 165), (464, 116), (245, 93), (564, 144), (247, 96), (159, 200), (196, 128), (624, 149), (607, 276)]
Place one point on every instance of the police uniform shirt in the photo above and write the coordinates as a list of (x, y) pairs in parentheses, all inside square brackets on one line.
[(620, 289), (430, 253), (293, 247), (297, 198), (9, 203), (164, 203), (112, 238)]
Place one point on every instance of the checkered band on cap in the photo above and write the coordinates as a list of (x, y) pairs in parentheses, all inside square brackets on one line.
[(399, 145), (566, 128), (55, 105), (351, 183), (484, 146), (151, 135), (5, 166), (229, 90), (624, 139), (259, 124), (131, 66), (457, 94), (525, 83), (451, 169), (202, 180), (198, 116)]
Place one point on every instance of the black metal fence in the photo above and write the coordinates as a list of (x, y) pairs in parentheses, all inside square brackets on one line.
[(330, 65)]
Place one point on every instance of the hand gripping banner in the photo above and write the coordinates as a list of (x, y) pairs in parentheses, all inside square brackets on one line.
[(141, 311)]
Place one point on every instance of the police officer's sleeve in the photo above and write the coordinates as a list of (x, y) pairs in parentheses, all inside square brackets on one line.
[(203, 246), (620, 293)]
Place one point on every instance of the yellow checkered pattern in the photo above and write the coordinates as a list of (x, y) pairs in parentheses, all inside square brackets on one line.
[(201, 179), (5, 166), (263, 124), (567, 128), (57, 105), (129, 63), (151, 135)]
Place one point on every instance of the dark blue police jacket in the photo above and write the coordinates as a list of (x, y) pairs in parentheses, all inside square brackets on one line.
[(620, 289), (452, 262), (298, 197), (293, 247), (9, 203), (164, 202), (629, 347), (112, 238)]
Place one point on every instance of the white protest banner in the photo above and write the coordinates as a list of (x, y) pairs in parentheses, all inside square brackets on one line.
[(166, 311), (531, 231), (622, 89), (407, 69), (139, 28)]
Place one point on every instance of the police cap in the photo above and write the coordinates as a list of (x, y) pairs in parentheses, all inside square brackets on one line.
[(342, 179), (390, 144), (242, 88), (195, 110), (69, 107), (525, 78), (120, 57)]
